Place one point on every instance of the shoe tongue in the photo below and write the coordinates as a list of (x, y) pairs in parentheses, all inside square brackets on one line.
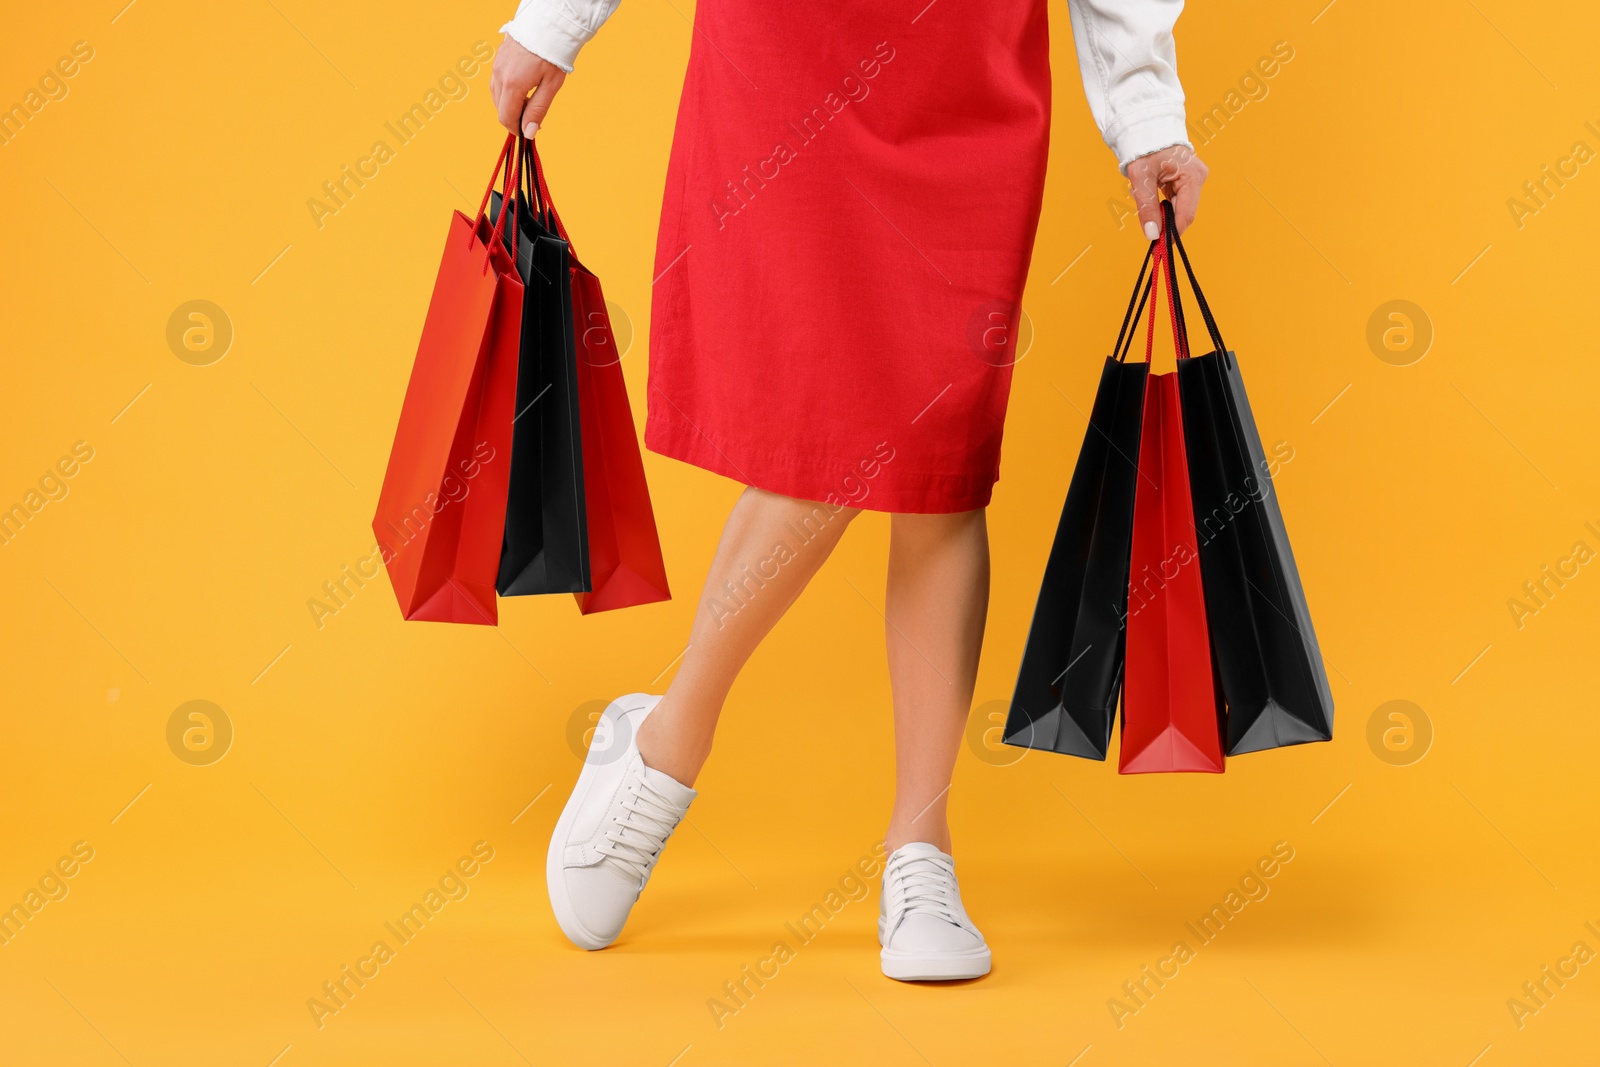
[(918, 848), (668, 786)]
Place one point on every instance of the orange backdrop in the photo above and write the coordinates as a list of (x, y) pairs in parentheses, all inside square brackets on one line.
[(1398, 236)]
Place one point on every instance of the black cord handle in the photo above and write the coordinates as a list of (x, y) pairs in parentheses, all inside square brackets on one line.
[(533, 186), (1169, 231), (1141, 293)]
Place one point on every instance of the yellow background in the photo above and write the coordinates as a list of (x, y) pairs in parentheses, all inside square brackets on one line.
[(371, 754)]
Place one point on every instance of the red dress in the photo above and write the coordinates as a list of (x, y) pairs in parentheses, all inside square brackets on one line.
[(850, 209)]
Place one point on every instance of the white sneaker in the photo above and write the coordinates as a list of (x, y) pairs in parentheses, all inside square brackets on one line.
[(924, 930), (612, 830)]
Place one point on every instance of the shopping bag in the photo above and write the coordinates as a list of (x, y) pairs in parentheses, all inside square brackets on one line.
[(1266, 651), (1171, 709), (625, 564), (1071, 674), (546, 545), (624, 550), (441, 510)]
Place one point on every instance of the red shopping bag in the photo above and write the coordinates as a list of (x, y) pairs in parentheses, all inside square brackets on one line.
[(1172, 709), (441, 513), (625, 561)]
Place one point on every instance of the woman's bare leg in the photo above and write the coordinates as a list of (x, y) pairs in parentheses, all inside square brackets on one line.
[(938, 597), (770, 548)]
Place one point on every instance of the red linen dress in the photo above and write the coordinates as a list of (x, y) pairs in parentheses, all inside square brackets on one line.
[(850, 209)]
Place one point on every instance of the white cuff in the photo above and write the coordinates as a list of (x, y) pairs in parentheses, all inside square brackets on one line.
[(1148, 132), (546, 32)]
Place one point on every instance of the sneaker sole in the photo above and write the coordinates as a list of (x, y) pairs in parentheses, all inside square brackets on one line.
[(555, 882), (944, 967)]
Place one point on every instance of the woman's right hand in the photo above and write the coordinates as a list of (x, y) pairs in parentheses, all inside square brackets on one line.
[(1175, 171), (522, 86)]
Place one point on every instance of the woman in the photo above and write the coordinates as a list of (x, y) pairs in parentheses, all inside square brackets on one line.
[(850, 209)]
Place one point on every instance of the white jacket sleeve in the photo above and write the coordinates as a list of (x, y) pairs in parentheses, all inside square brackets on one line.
[(1129, 65), (554, 30)]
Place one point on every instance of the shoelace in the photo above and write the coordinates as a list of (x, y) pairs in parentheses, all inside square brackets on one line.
[(636, 835), (923, 884)]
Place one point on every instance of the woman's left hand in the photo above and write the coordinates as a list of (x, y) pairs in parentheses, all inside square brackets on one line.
[(522, 87), (1175, 171)]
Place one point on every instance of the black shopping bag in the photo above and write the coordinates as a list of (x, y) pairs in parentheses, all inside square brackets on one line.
[(546, 547), (1071, 673), (1262, 641)]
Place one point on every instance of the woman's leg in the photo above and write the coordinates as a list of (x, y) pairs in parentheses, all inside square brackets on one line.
[(938, 596), (770, 548)]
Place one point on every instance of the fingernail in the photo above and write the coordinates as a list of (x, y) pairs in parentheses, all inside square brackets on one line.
[(533, 127), (1152, 230)]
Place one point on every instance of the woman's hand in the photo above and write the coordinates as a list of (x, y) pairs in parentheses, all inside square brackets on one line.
[(523, 85), (1176, 171)]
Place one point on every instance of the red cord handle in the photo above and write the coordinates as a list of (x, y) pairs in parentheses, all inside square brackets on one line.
[(508, 162), (1174, 248), (1155, 299), (1180, 327), (1162, 268), (539, 188)]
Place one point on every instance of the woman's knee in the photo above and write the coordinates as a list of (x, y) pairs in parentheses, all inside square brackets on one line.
[(941, 524), (809, 516)]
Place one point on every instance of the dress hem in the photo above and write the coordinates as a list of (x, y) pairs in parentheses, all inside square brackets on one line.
[(916, 492)]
